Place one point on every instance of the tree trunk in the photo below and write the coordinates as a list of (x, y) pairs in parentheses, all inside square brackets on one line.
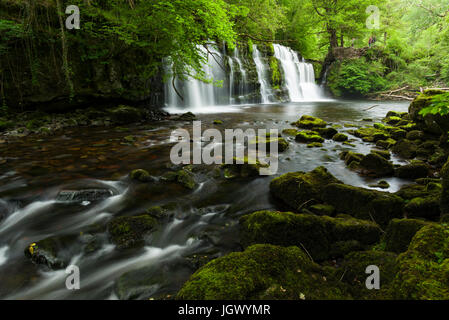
[(333, 40)]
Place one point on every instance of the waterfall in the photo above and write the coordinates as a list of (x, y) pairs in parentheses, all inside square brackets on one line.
[(243, 80), (196, 93), (299, 75), (265, 89), (231, 80)]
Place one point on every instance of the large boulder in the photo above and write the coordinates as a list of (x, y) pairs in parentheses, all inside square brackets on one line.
[(413, 170), (263, 272), (423, 270), (363, 203), (355, 264), (400, 233), (376, 165), (322, 237), (309, 122), (432, 123), (297, 188), (405, 149)]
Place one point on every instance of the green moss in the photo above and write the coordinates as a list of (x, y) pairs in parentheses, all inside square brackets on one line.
[(322, 209), (309, 122), (406, 149), (355, 265), (414, 170), (276, 77), (262, 272), (294, 189), (386, 144), (315, 145), (363, 203), (281, 143), (376, 165), (340, 137), (127, 232), (140, 175), (315, 234), (290, 132), (370, 134), (400, 233), (309, 137), (426, 207), (218, 122), (424, 269)]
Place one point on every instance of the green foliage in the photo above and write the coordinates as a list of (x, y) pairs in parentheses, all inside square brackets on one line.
[(439, 105), (357, 77)]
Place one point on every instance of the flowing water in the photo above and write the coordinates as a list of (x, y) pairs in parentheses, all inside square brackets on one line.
[(202, 222)]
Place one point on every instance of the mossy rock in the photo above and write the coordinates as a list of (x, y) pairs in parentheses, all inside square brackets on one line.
[(414, 170), (406, 149), (425, 207), (243, 168), (315, 234), (349, 157), (424, 268), (398, 134), (400, 233), (376, 165), (383, 153), (432, 123), (445, 192), (290, 132), (128, 232), (415, 135), (327, 133), (184, 177), (263, 272), (282, 144), (370, 134), (386, 144), (295, 189), (309, 137), (364, 203), (322, 210), (355, 265), (140, 175), (51, 252), (315, 145), (309, 122), (217, 122), (188, 116), (392, 120), (381, 184), (340, 137), (125, 114)]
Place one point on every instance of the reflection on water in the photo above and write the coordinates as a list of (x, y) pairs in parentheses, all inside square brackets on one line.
[(204, 221)]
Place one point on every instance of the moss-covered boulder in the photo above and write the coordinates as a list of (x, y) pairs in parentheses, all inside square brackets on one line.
[(383, 153), (426, 207), (128, 232), (309, 137), (184, 177), (376, 165), (350, 157), (381, 185), (317, 235), (398, 134), (386, 144), (363, 203), (263, 272), (282, 144), (188, 116), (290, 132), (140, 175), (322, 210), (327, 133), (309, 122), (405, 149), (297, 188), (370, 134), (242, 168), (413, 170), (340, 137), (423, 272), (432, 123), (400, 233), (125, 114), (411, 191), (415, 135), (355, 265)]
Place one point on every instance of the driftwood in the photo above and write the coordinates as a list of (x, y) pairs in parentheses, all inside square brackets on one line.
[(398, 97)]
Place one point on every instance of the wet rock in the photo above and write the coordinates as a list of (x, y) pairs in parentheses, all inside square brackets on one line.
[(383, 153), (242, 168), (290, 132), (125, 114), (184, 177), (322, 210), (218, 122), (128, 232), (309, 122), (355, 265), (51, 252), (406, 149), (340, 137), (381, 184), (364, 203), (262, 272), (400, 233), (424, 269), (315, 234), (398, 134), (141, 175), (349, 157), (415, 135), (386, 144), (327, 133), (309, 137), (376, 165), (188, 116), (84, 195), (414, 170), (295, 189), (315, 145), (370, 134), (392, 120), (282, 144)]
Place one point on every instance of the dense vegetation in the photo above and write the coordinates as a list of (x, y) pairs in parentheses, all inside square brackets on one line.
[(411, 48)]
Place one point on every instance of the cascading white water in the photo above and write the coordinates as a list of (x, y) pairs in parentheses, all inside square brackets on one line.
[(299, 75), (231, 80), (265, 88), (242, 70)]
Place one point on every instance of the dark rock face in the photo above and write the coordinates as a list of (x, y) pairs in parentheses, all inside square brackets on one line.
[(84, 195)]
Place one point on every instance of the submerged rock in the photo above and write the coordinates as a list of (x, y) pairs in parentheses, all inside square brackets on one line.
[(295, 189), (84, 195), (263, 272), (317, 235), (128, 232)]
